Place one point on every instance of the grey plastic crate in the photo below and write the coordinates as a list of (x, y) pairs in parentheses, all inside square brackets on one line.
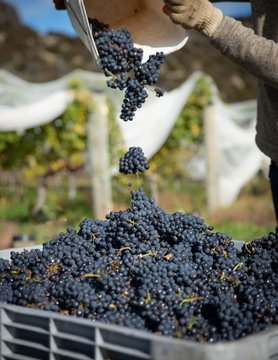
[(29, 334)]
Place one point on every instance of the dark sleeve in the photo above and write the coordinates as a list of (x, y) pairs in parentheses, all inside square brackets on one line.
[(256, 54)]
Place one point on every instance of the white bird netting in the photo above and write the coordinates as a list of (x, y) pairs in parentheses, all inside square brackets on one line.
[(25, 105)]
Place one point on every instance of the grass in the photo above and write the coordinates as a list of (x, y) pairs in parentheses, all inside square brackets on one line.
[(249, 217), (58, 213)]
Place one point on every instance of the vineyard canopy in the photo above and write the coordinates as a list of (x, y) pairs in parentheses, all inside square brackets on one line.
[(25, 105)]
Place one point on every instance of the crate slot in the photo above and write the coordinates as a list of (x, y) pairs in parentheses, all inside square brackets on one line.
[(75, 338), (32, 344), (110, 338), (27, 327), (29, 351), (17, 357), (74, 329), (11, 317), (118, 349), (10, 333), (79, 349), (67, 355), (118, 353)]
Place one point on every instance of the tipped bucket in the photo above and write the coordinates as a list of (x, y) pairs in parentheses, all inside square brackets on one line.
[(150, 28)]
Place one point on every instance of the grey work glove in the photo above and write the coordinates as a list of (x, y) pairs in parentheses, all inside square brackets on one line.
[(194, 14)]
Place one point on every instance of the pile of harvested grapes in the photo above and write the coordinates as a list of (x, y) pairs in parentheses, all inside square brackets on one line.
[(169, 274)]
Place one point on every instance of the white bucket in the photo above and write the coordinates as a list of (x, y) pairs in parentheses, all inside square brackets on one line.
[(150, 28)]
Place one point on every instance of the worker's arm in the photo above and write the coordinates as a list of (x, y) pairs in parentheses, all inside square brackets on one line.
[(256, 54)]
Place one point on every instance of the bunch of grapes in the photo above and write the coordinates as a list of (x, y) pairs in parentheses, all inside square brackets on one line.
[(144, 268), (122, 63), (133, 161)]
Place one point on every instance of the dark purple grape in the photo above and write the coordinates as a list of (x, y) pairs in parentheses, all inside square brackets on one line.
[(133, 161), (122, 63)]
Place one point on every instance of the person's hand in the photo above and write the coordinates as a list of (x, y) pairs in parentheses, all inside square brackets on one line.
[(59, 4), (194, 14)]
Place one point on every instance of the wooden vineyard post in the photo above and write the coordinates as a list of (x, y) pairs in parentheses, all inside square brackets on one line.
[(212, 159), (99, 159)]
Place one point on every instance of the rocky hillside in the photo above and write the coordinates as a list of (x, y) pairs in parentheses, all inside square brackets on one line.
[(41, 58)]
